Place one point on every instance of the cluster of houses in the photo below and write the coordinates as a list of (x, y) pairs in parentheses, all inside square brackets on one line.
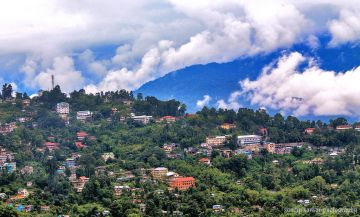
[(7, 128), (7, 162)]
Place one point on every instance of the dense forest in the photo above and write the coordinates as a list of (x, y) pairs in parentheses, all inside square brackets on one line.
[(112, 150)]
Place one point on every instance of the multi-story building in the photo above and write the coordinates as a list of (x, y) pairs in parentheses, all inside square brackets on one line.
[(159, 173), (63, 108), (79, 183), (216, 141), (70, 162), (81, 135), (83, 115), (144, 119), (249, 139), (344, 127), (167, 119), (182, 183)]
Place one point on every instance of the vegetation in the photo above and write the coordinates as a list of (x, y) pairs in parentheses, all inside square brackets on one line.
[(265, 185)]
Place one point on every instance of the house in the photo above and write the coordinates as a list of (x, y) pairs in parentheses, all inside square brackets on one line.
[(79, 145), (80, 183), (182, 183), (263, 131), (249, 140), (357, 127), (309, 131), (83, 115), (167, 119), (69, 162), (27, 170), (7, 128), (81, 135), (344, 127), (21, 194), (227, 126), (126, 176), (119, 189), (159, 173), (205, 160), (29, 208), (144, 119), (45, 208), (51, 146), (10, 167), (270, 147), (108, 156), (25, 102), (216, 141), (217, 208), (63, 108), (168, 148), (29, 184), (247, 153), (226, 153)]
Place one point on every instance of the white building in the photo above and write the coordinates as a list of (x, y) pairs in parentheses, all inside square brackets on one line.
[(144, 119), (83, 115), (249, 139), (63, 108)]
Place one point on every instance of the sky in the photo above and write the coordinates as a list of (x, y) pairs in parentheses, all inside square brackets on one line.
[(117, 44)]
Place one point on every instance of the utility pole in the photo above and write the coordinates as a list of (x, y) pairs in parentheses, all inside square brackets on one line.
[(52, 82)]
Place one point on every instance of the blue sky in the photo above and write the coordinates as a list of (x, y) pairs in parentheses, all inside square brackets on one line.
[(116, 44)]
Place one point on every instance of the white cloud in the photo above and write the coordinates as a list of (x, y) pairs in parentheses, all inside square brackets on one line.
[(310, 91), (64, 73), (232, 102), (192, 32), (203, 102)]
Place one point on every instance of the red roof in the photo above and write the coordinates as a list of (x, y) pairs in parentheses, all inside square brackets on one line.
[(205, 160), (79, 145), (51, 144), (81, 134)]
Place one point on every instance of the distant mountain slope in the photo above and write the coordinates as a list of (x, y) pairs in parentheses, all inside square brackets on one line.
[(220, 80)]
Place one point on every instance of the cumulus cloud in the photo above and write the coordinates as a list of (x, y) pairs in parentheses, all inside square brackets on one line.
[(203, 102), (232, 102), (309, 91), (165, 35), (64, 73)]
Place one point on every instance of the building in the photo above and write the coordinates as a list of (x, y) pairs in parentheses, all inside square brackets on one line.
[(119, 189), (83, 115), (247, 153), (263, 131), (27, 170), (344, 127), (51, 146), (309, 131), (45, 208), (227, 126), (159, 173), (270, 147), (79, 145), (81, 135), (249, 139), (216, 141), (357, 127), (10, 167), (80, 183), (167, 119), (63, 108), (25, 102), (69, 162), (144, 119), (205, 160), (182, 183), (108, 156), (7, 128)]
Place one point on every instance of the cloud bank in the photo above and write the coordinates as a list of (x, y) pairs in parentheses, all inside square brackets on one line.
[(311, 90), (154, 37)]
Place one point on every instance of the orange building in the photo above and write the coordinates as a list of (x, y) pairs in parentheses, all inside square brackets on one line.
[(182, 183), (270, 147), (227, 126)]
